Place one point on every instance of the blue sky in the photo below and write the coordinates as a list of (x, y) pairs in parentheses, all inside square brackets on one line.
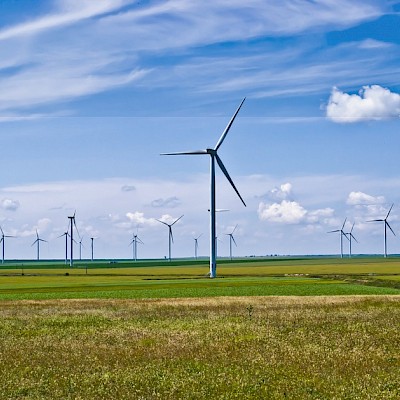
[(91, 93)]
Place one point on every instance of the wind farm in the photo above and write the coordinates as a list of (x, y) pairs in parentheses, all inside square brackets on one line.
[(109, 239)]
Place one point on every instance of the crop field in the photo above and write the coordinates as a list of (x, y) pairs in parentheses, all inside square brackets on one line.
[(265, 329)]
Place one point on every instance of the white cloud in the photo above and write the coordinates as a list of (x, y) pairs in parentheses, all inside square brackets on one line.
[(287, 212), (323, 215), (360, 198), (9, 204), (69, 12), (371, 103), (138, 219), (281, 193)]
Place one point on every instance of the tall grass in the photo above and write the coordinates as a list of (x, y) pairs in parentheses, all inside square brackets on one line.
[(216, 348)]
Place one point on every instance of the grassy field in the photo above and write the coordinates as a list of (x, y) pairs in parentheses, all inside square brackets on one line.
[(212, 348), (150, 279), (265, 329)]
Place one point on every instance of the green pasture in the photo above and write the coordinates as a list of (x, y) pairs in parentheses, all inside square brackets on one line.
[(188, 278)]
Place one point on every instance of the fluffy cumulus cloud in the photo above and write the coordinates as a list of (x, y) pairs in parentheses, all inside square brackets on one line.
[(9, 204), (371, 103), (289, 212), (281, 193), (138, 219), (360, 198)]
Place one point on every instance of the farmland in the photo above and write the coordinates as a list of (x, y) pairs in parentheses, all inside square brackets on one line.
[(275, 329)]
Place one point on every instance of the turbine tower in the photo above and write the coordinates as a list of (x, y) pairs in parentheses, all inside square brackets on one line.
[(66, 234), (37, 242), (2, 240), (80, 248), (350, 237), (72, 223), (170, 236), (92, 246), (386, 224), (196, 245), (341, 236), (231, 239), (134, 242), (213, 153)]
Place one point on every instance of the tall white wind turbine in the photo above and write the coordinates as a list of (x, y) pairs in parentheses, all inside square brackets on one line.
[(2, 240), (66, 234), (37, 242), (386, 224), (72, 223), (170, 236), (351, 237), (341, 236), (213, 153), (231, 239), (196, 245), (134, 242), (92, 246)]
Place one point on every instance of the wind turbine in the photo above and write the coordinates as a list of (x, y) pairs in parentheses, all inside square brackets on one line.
[(386, 224), (213, 153), (134, 242), (350, 237), (231, 239), (66, 234), (170, 236), (196, 245), (92, 246), (2, 240), (80, 248), (341, 236), (72, 223), (37, 241)]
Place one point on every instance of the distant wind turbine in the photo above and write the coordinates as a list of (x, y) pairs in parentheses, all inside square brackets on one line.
[(134, 242), (80, 248), (92, 246), (66, 234), (350, 237), (2, 240), (386, 224), (231, 239), (37, 242), (213, 153), (170, 236), (72, 223), (341, 236), (196, 245)]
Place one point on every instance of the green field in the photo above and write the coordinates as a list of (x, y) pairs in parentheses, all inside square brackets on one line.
[(264, 329), (152, 279)]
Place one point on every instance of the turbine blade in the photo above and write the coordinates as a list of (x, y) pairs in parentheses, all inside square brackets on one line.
[(354, 237), (162, 222), (351, 230), (183, 153), (177, 220), (344, 223), (234, 229), (345, 235), (336, 230), (389, 211), (222, 138), (234, 241), (387, 223), (171, 235), (376, 220), (223, 169)]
